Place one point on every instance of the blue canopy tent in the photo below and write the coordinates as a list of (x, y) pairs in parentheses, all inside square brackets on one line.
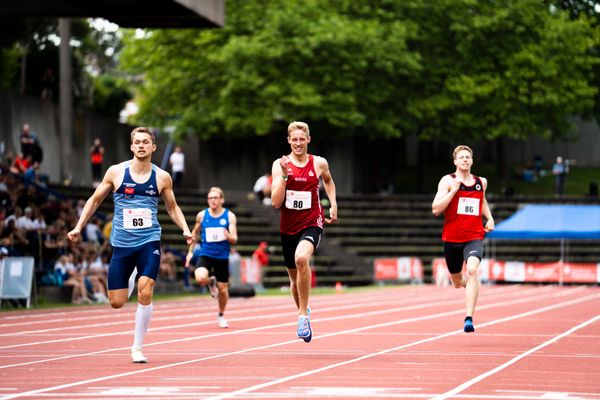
[(558, 222)]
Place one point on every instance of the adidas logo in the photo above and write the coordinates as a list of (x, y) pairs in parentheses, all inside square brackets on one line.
[(156, 252)]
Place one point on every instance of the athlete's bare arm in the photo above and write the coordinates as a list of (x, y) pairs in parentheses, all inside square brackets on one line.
[(279, 174), (231, 234), (329, 187), (447, 188), (91, 205), (195, 232), (485, 210), (165, 185)]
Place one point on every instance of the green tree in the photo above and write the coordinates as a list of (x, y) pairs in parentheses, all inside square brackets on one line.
[(447, 70), (273, 61), (29, 62)]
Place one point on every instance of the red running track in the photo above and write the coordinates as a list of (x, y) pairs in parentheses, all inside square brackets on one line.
[(531, 342)]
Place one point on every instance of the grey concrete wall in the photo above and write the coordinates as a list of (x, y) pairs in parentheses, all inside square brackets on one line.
[(357, 165)]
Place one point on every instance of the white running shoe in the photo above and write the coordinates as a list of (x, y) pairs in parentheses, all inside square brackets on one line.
[(137, 356), (212, 287), (222, 322)]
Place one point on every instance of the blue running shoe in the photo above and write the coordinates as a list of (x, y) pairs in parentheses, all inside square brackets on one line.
[(469, 326), (304, 332)]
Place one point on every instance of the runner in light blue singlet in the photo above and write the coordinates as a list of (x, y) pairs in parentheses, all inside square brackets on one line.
[(136, 207)]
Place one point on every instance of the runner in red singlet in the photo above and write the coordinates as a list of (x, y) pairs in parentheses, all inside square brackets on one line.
[(295, 190), (461, 197)]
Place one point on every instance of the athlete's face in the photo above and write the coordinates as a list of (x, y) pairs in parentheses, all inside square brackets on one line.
[(142, 146), (298, 141), (463, 160), (214, 199)]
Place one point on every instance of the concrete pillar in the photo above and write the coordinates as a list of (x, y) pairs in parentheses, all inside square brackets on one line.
[(66, 100)]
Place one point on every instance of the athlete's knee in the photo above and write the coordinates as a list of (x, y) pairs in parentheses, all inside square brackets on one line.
[(302, 260), (223, 287), (201, 275), (116, 303), (145, 294), (472, 271)]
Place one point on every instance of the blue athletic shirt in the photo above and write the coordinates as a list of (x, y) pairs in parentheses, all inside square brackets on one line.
[(135, 219), (214, 243)]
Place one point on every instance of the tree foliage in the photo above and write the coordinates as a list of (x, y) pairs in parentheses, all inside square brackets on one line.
[(34, 43), (445, 69)]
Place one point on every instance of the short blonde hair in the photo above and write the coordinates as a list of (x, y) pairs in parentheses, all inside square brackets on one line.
[(461, 148), (216, 189), (294, 126), (143, 129)]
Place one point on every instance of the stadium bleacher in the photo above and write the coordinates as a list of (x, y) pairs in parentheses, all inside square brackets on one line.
[(369, 226)]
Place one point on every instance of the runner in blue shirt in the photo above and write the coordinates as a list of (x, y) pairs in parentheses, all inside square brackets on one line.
[(137, 185), (218, 227)]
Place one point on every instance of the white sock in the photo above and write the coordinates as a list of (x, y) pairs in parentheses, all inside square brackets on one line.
[(131, 283), (142, 321)]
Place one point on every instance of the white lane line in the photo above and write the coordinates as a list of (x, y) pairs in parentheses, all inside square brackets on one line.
[(295, 341), (422, 305), (97, 313), (371, 355), (330, 307), (376, 303), (233, 332), (510, 362)]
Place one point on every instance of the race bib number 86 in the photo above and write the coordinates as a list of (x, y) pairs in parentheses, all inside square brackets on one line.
[(468, 206), (137, 218)]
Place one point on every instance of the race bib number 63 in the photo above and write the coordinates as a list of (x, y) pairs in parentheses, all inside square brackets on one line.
[(137, 218)]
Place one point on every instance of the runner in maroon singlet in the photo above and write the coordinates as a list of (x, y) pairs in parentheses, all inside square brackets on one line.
[(461, 197), (295, 190)]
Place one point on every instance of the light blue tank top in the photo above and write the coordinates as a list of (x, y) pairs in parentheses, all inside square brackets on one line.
[(135, 219), (214, 243)]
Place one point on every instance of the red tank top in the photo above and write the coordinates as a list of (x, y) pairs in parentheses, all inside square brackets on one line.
[(301, 206), (462, 218)]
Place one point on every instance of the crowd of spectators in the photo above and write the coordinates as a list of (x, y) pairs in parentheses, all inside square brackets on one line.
[(34, 222)]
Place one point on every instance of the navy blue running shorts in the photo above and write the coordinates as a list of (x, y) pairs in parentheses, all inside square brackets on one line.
[(145, 257)]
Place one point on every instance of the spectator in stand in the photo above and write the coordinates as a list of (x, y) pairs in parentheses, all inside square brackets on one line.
[(560, 170), (27, 140), (93, 270), (25, 221), (31, 174), (168, 265), (261, 258), (92, 231), (177, 161), (96, 159), (262, 188), (71, 277), (235, 261), (20, 164), (53, 246), (261, 254), (39, 223)]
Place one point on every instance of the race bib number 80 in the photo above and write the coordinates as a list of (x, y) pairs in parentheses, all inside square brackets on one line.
[(295, 200), (137, 218), (468, 206)]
